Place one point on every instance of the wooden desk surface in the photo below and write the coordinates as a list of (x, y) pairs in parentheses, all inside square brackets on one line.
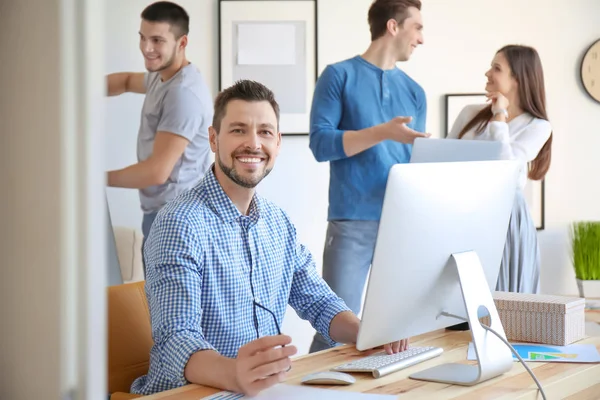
[(559, 380)]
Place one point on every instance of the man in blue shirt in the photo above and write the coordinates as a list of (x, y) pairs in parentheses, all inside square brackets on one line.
[(223, 263), (365, 116)]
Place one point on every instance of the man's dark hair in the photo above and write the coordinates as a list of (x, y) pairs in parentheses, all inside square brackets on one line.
[(246, 90), (382, 11), (171, 13)]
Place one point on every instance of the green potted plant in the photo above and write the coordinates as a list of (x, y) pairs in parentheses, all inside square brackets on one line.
[(585, 242)]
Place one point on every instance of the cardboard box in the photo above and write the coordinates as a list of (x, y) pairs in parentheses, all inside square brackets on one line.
[(535, 318)]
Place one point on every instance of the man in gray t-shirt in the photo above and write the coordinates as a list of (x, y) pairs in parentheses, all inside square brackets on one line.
[(172, 148)]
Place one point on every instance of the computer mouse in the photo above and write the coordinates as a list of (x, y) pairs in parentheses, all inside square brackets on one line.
[(328, 378)]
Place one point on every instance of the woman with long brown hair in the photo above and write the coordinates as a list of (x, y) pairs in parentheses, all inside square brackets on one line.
[(516, 116)]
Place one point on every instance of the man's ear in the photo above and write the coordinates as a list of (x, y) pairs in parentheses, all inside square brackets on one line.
[(278, 148), (212, 138), (183, 41), (392, 26)]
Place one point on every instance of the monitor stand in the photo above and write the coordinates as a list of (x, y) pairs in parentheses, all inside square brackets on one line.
[(493, 356)]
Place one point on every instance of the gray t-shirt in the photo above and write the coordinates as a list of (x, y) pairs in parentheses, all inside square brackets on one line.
[(182, 106)]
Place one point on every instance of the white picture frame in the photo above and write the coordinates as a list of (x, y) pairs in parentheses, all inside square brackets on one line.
[(291, 75)]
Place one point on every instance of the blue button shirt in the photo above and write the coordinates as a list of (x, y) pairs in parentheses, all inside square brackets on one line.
[(199, 255), (354, 95)]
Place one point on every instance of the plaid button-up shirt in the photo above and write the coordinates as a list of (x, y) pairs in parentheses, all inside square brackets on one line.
[(199, 256)]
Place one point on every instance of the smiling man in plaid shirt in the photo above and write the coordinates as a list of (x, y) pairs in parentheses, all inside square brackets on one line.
[(223, 263)]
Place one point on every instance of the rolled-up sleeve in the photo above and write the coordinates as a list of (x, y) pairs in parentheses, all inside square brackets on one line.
[(311, 297), (326, 139), (174, 266), (183, 113)]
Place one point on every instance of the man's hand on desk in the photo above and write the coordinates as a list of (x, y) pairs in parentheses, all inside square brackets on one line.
[(344, 329), (262, 363), (396, 347)]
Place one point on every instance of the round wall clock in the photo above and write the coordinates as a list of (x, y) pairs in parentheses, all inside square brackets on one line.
[(590, 71)]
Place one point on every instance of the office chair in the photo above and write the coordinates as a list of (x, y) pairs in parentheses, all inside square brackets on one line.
[(129, 338)]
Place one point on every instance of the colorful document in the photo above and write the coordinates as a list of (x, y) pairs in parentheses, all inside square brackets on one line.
[(574, 353)]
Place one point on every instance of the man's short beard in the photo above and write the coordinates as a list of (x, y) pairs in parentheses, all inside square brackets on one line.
[(233, 175), (167, 63)]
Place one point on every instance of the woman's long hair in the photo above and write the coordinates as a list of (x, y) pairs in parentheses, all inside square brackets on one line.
[(526, 68)]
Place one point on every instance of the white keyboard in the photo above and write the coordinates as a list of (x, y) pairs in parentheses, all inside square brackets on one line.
[(381, 364)]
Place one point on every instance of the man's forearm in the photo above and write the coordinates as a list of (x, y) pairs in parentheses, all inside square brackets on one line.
[(117, 83), (137, 176), (358, 141), (209, 368), (344, 327)]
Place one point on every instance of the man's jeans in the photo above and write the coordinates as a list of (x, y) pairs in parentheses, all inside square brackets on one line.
[(347, 257)]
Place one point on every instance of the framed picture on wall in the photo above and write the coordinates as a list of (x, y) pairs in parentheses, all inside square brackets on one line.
[(534, 190), (273, 42)]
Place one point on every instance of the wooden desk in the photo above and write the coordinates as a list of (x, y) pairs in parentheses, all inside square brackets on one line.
[(559, 380)]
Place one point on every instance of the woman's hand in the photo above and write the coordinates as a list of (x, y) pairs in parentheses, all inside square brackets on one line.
[(499, 101)]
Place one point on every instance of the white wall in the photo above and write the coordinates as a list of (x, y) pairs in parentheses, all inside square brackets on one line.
[(461, 38)]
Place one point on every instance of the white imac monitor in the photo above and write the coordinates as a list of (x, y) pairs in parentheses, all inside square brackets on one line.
[(452, 150), (438, 250)]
